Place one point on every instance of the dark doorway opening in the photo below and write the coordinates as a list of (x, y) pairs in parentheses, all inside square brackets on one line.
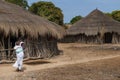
[(108, 37)]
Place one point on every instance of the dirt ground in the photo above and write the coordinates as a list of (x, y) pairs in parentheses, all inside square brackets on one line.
[(75, 62)]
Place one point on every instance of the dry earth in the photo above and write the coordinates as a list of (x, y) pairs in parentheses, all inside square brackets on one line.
[(76, 62)]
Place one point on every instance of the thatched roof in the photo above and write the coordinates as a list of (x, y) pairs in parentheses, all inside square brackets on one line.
[(96, 22), (14, 19)]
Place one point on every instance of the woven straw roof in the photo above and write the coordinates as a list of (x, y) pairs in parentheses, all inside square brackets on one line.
[(14, 19), (96, 22)]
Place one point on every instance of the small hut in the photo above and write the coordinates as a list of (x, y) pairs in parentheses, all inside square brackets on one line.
[(40, 35), (94, 28)]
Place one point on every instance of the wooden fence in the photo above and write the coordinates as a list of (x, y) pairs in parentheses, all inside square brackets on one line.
[(7, 55), (32, 51)]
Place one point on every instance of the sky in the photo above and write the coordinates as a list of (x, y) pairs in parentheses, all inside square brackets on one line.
[(72, 8)]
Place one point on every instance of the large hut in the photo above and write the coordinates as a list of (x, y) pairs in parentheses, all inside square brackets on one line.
[(94, 28), (40, 35)]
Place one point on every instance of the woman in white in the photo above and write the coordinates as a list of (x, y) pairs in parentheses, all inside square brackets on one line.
[(19, 54)]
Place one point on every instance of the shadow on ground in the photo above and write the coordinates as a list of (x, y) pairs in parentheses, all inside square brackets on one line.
[(36, 62)]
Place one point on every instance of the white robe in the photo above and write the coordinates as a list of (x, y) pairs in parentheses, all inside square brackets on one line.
[(19, 55)]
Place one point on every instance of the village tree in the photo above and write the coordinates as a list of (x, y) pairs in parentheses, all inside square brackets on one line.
[(47, 10)]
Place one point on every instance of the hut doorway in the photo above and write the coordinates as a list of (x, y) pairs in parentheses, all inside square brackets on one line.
[(108, 37)]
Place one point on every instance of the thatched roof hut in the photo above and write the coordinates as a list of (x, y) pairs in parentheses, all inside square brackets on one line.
[(95, 24), (13, 19), (15, 22)]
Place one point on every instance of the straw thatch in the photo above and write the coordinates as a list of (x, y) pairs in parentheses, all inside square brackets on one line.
[(96, 28), (96, 22), (40, 35), (13, 19)]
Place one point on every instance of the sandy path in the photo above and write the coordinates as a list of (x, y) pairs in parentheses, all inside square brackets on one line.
[(68, 57), (7, 70)]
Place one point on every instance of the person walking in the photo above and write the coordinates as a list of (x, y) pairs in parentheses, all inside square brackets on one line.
[(19, 54)]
